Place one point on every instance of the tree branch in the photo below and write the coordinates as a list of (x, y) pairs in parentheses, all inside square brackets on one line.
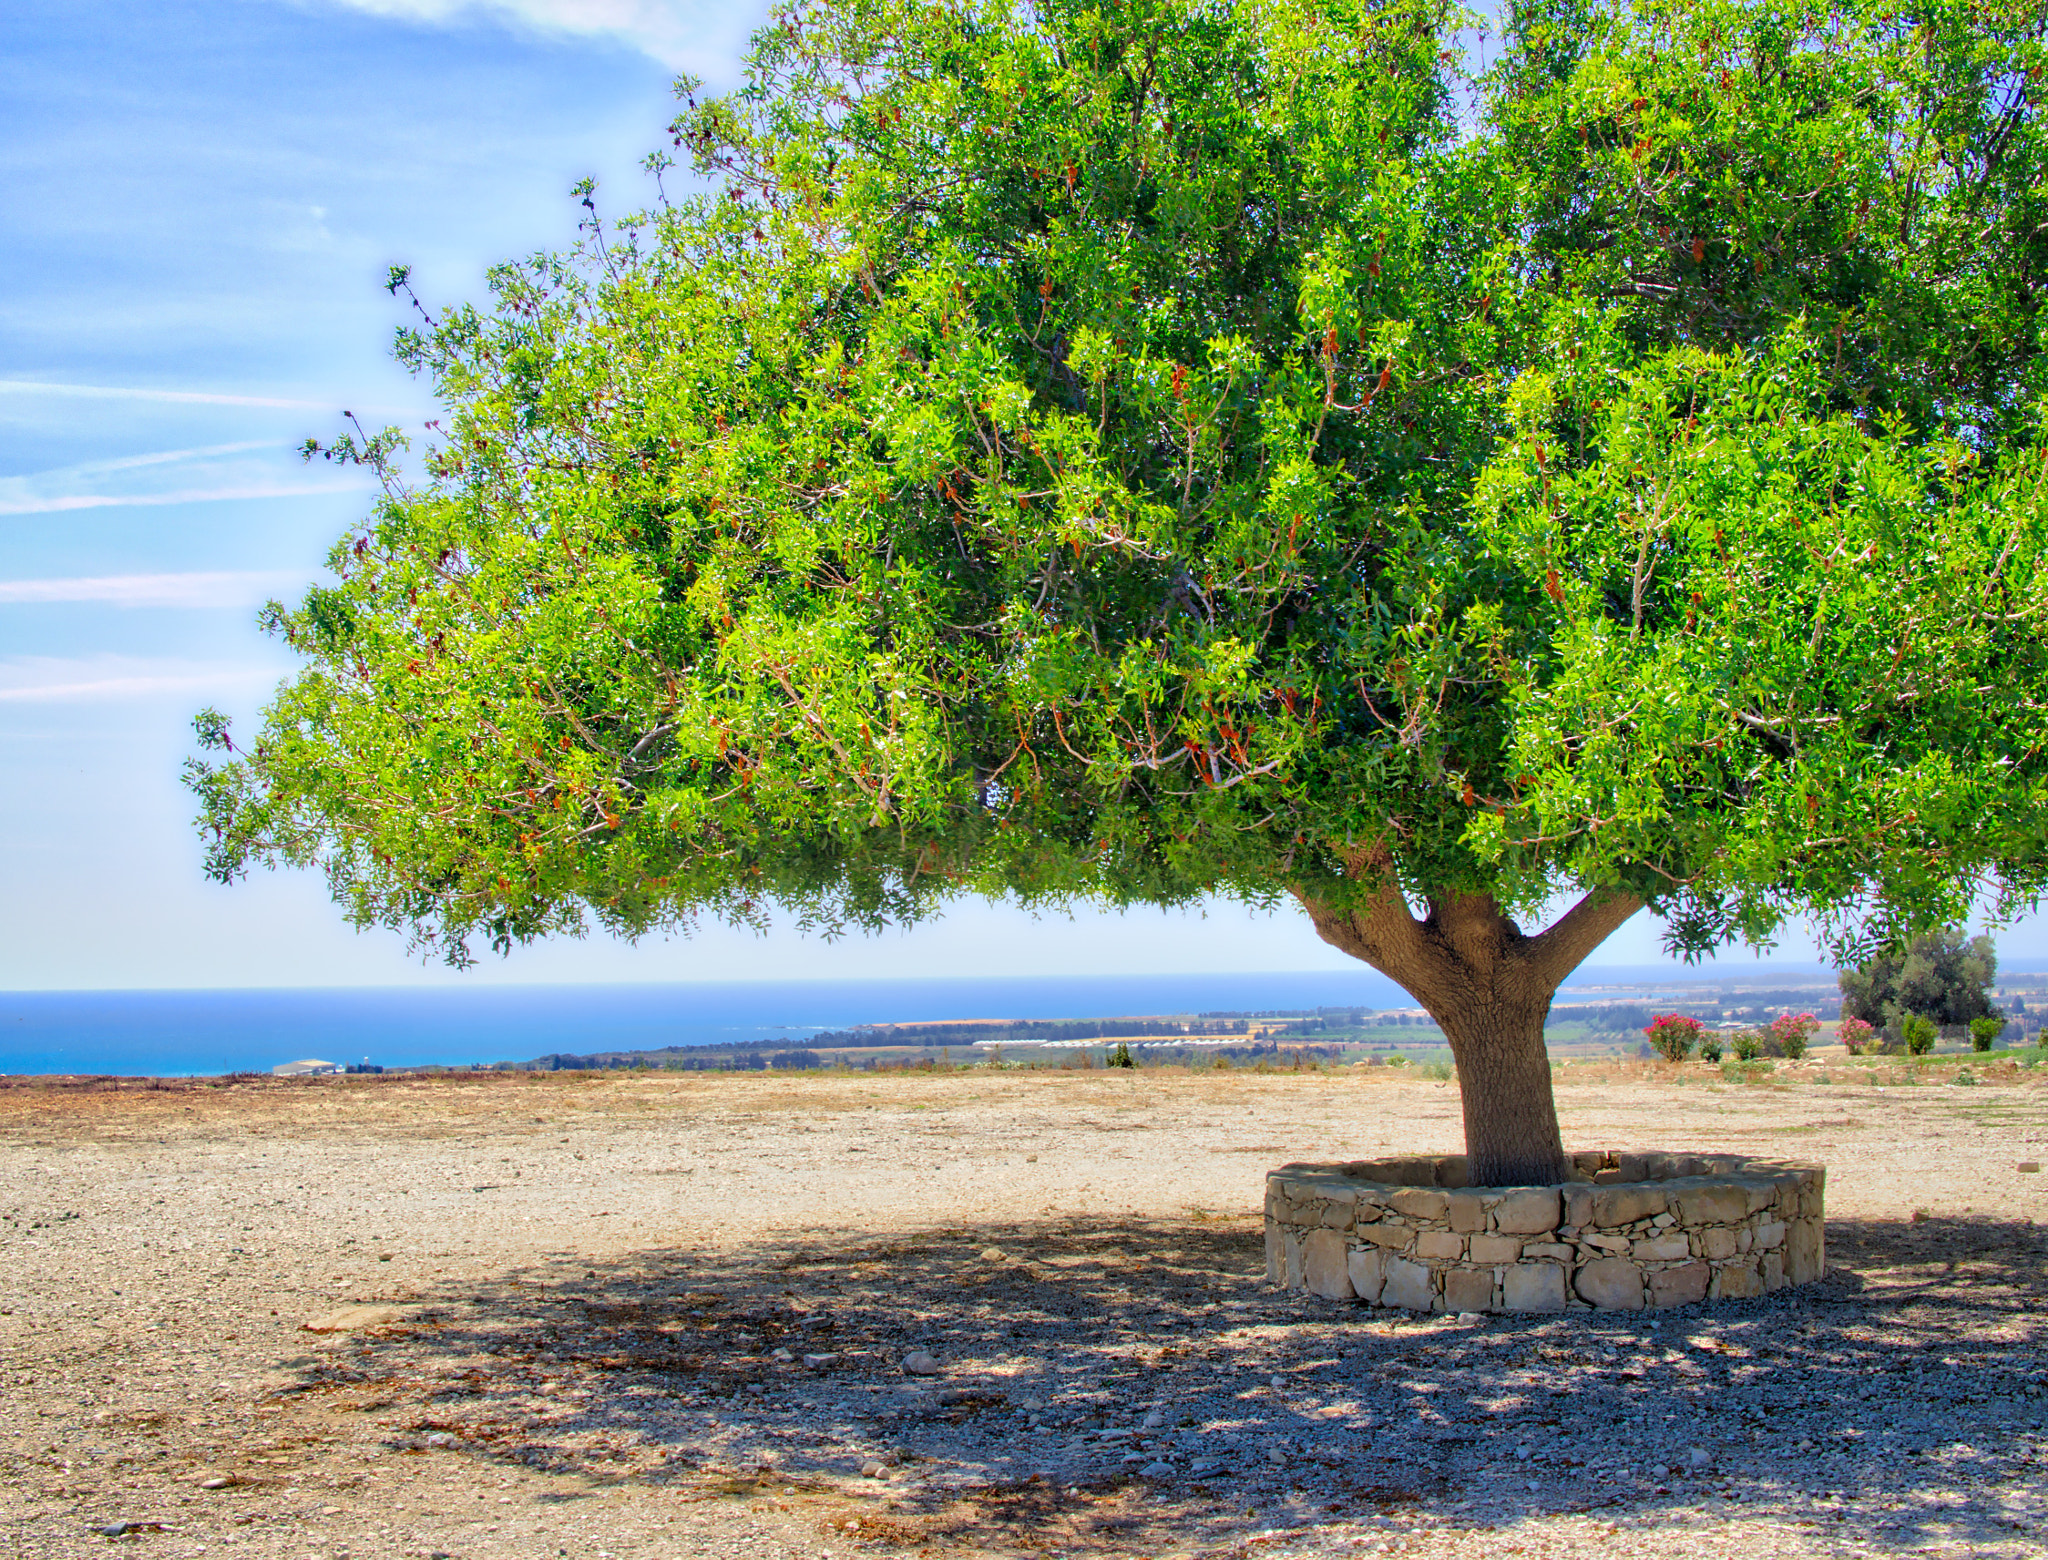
[(1555, 953)]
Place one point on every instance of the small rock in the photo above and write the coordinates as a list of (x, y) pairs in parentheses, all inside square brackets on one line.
[(1659, 1471), (992, 1254), (441, 1438), (1154, 1420), (1279, 1382), (2030, 1167), (785, 1357), (352, 1317), (871, 1469), (1156, 1470), (820, 1361), (1700, 1457), (920, 1362), (1276, 1454), (215, 1483)]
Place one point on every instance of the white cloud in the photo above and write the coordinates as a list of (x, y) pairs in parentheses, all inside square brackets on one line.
[(693, 35), (221, 589), (43, 679), (261, 469), (138, 393)]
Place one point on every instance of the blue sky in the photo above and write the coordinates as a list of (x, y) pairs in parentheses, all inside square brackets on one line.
[(198, 202)]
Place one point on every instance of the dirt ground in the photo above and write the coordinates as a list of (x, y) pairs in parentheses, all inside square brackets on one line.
[(623, 1315)]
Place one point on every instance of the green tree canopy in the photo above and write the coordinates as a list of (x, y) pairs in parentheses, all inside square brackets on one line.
[(1941, 975), (1136, 453)]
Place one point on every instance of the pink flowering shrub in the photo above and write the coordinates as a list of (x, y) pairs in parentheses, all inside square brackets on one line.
[(1673, 1034), (1790, 1033)]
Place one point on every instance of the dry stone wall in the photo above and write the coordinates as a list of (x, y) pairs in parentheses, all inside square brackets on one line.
[(1629, 1232)]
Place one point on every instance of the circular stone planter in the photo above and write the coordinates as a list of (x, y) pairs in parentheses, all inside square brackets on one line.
[(1628, 1232)]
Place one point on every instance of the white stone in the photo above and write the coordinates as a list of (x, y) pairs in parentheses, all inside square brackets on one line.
[(1406, 1284), (1364, 1267), (1323, 1263), (919, 1362), (1532, 1286)]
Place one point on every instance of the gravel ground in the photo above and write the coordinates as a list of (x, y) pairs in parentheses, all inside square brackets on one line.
[(628, 1315)]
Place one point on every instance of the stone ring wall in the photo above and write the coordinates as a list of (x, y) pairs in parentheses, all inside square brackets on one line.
[(1629, 1231)]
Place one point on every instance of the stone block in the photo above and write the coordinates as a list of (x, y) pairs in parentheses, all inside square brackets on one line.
[(1716, 1242), (1467, 1212), (1495, 1248), (1364, 1268), (1550, 1249), (1759, 1191), (1578, 1206), (1395, 1237), (1738, 1281), (1528, 1210), (1407, 1284), (1532, 1286), (1611, 1284), (1661, 1248), (1680, 1285), (1611, 1244), (1769, 1236), (1290, 1238), (1420, 1202), (1803, 1251), (1468, 1289), (1440, 1246), (1713, 1205), (1624, 1203), (1774, 1270), (1324, 1262), (1276, 1260)]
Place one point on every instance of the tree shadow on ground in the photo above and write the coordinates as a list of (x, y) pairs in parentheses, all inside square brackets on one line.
[(1133, 1385)]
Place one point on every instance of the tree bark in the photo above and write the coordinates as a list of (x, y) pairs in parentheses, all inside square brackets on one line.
[(1489, 987)]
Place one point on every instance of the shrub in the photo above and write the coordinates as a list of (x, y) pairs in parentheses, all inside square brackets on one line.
[(1855, 1034), (1792, 1032), (1985, 1030), (1673, 1034), (1748, 1044), (1919, 1033), (1710, 1047), (1121, 1056)]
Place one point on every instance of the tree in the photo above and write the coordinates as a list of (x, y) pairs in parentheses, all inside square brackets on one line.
[(1139, 453), (1939, 976)]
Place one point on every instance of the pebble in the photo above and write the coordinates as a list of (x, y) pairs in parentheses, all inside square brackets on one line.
[(992, 1254), (1154, 1420), (820, 1361), (1700, 1457), (441, 1438), (1156, 1470), (1276, 1454), (215, 1483), (920, 1362), (871, 1469)]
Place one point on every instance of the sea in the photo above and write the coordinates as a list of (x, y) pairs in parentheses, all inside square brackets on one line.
[(199, 1033)]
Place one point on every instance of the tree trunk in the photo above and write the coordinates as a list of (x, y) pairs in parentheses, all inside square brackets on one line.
[(1489, 987), (1511, 1134)]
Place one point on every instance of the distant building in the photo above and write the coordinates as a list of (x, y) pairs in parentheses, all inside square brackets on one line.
[(305, 1069)]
